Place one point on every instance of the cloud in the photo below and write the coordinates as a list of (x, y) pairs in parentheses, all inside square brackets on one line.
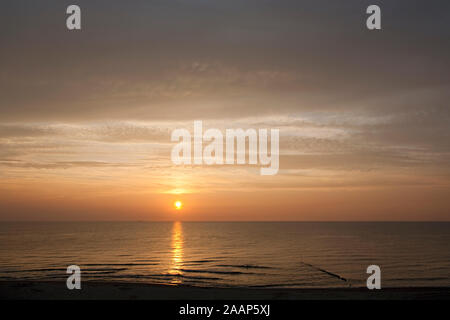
[(188, 60), (94, 110), (61, 164)]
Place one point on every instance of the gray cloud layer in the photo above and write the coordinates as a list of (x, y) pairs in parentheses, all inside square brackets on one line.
[(203, 59), (345, 98)]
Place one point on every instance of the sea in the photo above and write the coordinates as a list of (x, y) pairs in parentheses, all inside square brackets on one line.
[(229, 254)]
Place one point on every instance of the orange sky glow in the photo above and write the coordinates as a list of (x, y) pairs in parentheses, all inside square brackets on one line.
[(87, 117)]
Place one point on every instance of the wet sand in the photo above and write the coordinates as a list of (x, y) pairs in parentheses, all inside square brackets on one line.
[(18, 290)]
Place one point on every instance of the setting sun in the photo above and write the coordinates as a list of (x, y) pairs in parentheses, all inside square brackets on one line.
[(178, 205)]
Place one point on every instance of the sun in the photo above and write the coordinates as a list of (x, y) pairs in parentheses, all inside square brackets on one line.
[(178, 204)]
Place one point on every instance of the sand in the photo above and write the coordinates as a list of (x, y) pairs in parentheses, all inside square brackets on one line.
[(140, 291)]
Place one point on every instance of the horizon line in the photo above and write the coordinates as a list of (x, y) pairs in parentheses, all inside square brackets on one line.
[(234, 221)]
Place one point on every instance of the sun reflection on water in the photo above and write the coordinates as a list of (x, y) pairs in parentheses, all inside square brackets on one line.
[(177, 252)]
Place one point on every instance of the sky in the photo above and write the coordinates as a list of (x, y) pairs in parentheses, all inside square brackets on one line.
[(86, 116)]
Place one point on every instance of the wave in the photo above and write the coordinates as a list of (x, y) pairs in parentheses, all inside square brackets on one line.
[(215, 271), (119, 264), (244, 266), (326, 272)]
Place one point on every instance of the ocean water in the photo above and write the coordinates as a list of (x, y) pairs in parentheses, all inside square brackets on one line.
[(229, 254)]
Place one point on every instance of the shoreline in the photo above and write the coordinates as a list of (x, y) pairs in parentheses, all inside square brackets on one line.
[(98, 290)]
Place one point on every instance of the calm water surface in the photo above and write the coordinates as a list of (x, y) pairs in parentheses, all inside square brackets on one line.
[(253, 254)]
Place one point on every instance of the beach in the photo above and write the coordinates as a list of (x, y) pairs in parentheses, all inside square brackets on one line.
[(56, 290)]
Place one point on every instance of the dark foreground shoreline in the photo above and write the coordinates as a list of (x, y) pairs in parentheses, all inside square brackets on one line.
[(52, 290)]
